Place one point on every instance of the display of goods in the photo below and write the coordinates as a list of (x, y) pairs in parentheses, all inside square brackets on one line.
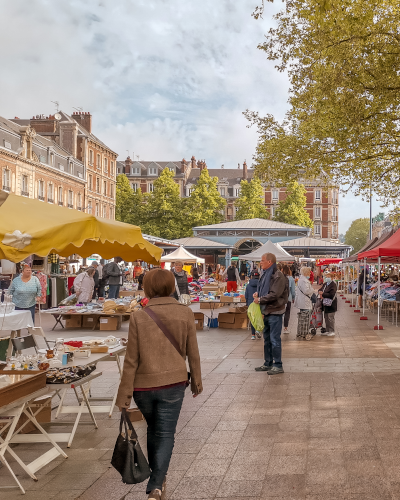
[(68, 375), (7, 307)]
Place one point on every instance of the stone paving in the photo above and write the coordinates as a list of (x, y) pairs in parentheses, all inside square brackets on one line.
[(328, 428)]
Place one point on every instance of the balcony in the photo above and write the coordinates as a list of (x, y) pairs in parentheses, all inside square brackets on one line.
[(70, 205), (50, 200), (61, 203), (41, 198), (6, 188), (25, 193)]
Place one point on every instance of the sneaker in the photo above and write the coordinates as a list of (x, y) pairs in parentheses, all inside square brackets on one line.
[(285, 330), (258, 334), (275, 370), (253, 337), (155, 495), (262, 368), (324, 334), (330, 334)]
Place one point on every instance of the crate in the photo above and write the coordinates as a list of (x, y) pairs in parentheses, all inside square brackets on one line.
[(199, 320), (113, 323), (73, 321)]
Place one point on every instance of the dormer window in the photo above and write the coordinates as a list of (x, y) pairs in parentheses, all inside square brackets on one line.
[(135, 170), (152, 170)]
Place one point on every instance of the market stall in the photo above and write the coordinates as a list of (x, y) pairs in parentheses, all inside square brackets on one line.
[(269, 247)]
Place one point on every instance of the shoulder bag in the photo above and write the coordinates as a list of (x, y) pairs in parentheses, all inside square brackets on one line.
[(165, 330), (128, 458), (328, 302)]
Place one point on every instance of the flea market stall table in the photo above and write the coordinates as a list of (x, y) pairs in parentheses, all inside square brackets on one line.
[(88, 320), (13, 322)]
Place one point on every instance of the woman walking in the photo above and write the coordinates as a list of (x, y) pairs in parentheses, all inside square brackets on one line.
[(25, 289), (292, 296), (327, 294), (303, 301), (251, 289), (155, 372)]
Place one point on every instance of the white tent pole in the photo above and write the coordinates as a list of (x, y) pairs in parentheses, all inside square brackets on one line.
[(365, 274), (379, 289), (357, 276)]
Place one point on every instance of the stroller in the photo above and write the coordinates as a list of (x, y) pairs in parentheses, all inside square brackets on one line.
[(308, 323)]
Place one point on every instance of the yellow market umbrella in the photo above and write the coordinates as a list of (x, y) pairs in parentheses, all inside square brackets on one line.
[(33, 227)]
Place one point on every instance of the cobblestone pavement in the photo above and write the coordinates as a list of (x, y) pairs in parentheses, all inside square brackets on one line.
[(328, 428)]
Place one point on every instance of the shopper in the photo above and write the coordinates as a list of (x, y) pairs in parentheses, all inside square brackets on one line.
[(303, 301), (272, 294), (251, 289), (328, 291), (96, 279), (311, 276), (25, 290), (195, 272), (84, 286), (209, 270), (181, 281), (360, 285), (232, 274), (156, 374), (113, 273), (292, 295)]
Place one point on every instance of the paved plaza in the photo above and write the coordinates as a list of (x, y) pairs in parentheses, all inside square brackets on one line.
[(327, 429)]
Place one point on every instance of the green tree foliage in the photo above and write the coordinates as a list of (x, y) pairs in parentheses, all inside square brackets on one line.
[(342, 58), (292, 209), (205, 205), (250, 202), (129, 206), (163, 208), (357, 234)]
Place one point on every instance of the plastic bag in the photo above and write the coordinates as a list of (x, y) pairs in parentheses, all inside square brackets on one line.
[(71, 300), (255, 316)]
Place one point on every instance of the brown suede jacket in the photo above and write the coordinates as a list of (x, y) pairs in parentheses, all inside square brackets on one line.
[(151, 360)]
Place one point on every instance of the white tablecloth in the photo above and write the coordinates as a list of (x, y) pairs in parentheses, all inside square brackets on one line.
[(15, 321)]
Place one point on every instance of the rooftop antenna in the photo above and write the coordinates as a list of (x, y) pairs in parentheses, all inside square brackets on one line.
[(137, 156), (127, 150), (57, 105), (78, 109)]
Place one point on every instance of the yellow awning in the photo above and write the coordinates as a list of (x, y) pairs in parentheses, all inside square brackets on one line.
[(33, 227)]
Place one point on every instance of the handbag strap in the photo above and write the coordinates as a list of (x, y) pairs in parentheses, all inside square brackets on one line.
[(163, 328), (127, 424)]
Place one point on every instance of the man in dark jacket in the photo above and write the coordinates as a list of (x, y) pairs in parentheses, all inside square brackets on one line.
[(114, 274), (272, 295)]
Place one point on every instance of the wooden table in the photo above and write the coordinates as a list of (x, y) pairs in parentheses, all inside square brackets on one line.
[(14, 322)]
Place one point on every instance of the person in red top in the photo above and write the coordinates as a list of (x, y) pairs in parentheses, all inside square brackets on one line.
[(311, 277)]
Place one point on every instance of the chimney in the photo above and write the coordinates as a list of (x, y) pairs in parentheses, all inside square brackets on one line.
[(84, 118), (128, 163), (193, 162), (201, 164), (69, 137), (238, 165), (183, 165), (42, 124), (245, 170)]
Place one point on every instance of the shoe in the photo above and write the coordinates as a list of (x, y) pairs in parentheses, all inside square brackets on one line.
[(262, 368), (285, 330), (253, 337), (324, 334), (164, 490), (258, 334), (155, 495), (275, 370), (330, 334)]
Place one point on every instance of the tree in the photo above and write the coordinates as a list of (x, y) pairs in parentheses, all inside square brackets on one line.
[(357, 234), (342, 59), (163, 208), (292, 209), (249, 205), (205, 205), (123, 199)]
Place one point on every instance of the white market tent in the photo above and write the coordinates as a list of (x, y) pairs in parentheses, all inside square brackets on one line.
[(182, 254), (269, 247)]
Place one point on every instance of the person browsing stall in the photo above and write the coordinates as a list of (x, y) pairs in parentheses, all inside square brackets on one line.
[(232, 274), (328, 291), (25, 290)]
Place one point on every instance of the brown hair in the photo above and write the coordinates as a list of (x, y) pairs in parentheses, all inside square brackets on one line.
[(286, 270), (158, 282), (271, 257)]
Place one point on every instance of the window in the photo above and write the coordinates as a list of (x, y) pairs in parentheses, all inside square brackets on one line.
[(334, 214), (7, 144), (151, 188), (317, 229), (134, 186), (70, 199), (61, 167), (90, 207), (6, 179), (334, 196), (237, 192), (97, 210), (111, 212), (105, 211), (79, 201), (24, 186), (105, 164), (222, 191), (98, 162), (236, 209), (50, 193), (112, 167), (105, 188), (41, 190), (273, 211), (317, 212), (91, 156), (60, 196), (135, 170), (318, 194), (71, 167), (42, 159), (52, 159), (112, 190), (275, 194), (334, 231), (171, 169), (90, 182), (152, 170), (98, 184)]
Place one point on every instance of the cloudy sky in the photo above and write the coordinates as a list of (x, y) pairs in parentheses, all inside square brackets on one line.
[(164, 79)]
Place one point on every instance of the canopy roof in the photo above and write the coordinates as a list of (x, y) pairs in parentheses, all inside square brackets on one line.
[(326, 262), (388, 249), (182, 254), (30, 226), (269, 247)]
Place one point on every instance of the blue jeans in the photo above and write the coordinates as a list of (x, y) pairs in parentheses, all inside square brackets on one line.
[(113, 291), (31, 309), (272, 340), (161, 409)]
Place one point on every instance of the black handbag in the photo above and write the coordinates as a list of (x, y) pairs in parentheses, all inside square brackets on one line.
[(128, 458)]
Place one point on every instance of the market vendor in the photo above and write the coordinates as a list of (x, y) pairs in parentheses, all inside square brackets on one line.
[(182, 285), (25, 290)]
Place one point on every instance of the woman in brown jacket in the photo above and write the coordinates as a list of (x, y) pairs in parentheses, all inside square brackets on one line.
[(155, 373)]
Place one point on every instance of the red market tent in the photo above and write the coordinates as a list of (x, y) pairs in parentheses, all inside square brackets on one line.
[(326, 262), (387, 251)]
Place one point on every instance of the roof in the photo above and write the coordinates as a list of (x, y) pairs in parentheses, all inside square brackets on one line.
[(232, 175), (197, 242), (368, 245), (252, 224), (159, 241), (312, 242), (181, 254), (388, 247), (269, 247)]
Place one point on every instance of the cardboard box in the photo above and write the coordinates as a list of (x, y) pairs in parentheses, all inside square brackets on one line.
[(89, 321), (199, 319), (73, 321), (241, 320), (232, 320), (127, 293), (236, 308), (207, 305), (227, 299), (111, 323)]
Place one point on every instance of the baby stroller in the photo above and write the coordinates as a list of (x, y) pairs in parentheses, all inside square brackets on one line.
[(309, 322)]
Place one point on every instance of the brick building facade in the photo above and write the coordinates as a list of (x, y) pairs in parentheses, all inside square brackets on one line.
[(73, 134)]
